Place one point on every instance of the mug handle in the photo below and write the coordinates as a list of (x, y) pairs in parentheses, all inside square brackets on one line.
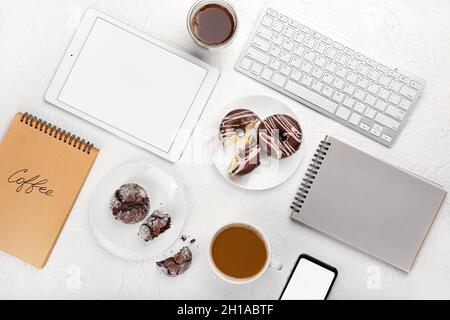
[(275, 265)]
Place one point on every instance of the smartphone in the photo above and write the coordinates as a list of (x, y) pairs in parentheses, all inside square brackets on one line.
[(310, 279)]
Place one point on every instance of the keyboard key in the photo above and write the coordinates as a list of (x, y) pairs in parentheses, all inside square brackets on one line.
[(327, 91), (415, 85), (386, 138), (349, 102), (395, 112), (275, 64), (296, 62), (327, 40), (299, 50), (359, 107), (403, 79), (331, 66), (342, 58), (362, 82), (331, 53), (408, 92), (338, 83), (299, 37), (261, 44), (309, 55), (267, 21), (352, 77), (294, 24), (320, 61), (405, 104), (338, 46), (288, 45), (349, 89), (304, 29), (382, 68), (328, 78), (320, 47), (310, 42), (341, 71), (277, 26), (395, 98), (376, 130), (256, 68), (387, 121), (279, 80), (374, 75), (306, 80), (352, 64), (370, 113), (275, 51), (360, 57), (288, 32), (362, 69), (360, 94), (285, 56), (267, 74), (381, 105), (349, 51), (364, 126), (258, 55), (277, 39), (370, 100), (296, 75), (393, 73), (338, 96), (395, 86), (371, 63), (272, 12), (384, 93), (317, 73), (283, 18), (307, 67), (246, 63), (373, 88), (304, 93), (286, 70), (264, 33), (316, 34), (355, 119), (317, 86), (384, 80), (343, 113)]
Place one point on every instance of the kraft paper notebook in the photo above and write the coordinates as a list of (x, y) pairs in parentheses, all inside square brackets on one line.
[(367, 203), (42, 169)]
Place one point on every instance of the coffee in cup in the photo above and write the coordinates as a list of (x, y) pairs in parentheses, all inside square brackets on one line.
[(239, 253), (212, 24)]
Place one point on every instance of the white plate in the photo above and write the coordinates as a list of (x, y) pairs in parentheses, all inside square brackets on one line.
[(272, 172), (123, 240)]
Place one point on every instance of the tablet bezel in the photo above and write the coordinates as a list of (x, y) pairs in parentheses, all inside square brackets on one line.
[(75, 49)]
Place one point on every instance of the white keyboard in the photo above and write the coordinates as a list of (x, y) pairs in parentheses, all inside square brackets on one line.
[(330, 75)]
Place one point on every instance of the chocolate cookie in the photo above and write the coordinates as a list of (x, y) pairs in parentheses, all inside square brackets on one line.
[(237, 124), (247, 158), (155, 225), (176, 265), (280, 136), (130, 204)]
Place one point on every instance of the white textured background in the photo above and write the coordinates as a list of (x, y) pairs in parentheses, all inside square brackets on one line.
[(413, 34)]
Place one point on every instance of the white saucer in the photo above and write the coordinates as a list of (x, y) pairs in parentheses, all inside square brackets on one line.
[(123, 240), (272, 172)]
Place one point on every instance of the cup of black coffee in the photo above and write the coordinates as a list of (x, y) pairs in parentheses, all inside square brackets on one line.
[(212, 24)]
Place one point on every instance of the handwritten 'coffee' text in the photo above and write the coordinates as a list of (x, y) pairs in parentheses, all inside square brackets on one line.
[(28, 185)]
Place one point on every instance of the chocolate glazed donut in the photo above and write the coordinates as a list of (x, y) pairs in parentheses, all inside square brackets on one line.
[(236, 125), (280, 136)]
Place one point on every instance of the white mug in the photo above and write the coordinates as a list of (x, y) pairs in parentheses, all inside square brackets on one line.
[(268, 264)]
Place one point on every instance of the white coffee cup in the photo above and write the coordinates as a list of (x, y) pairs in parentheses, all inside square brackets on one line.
[(268, 264)]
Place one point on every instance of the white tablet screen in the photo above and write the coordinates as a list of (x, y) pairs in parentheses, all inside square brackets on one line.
[(132, 84)]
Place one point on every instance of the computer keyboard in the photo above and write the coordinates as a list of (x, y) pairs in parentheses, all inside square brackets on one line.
[(330, 75)]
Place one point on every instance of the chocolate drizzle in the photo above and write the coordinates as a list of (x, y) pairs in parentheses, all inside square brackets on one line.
[(280, 136), (247, 158), (236, 124)]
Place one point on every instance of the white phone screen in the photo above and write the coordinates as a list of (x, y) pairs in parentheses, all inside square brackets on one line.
[(309, 281)]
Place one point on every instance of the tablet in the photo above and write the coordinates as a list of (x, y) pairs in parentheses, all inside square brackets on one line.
[(132, 85)]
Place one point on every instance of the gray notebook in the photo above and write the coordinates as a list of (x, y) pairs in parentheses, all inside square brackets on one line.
[(367, 203)]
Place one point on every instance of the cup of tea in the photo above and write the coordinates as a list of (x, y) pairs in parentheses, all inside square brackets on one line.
[(239, 253), (212, 24)]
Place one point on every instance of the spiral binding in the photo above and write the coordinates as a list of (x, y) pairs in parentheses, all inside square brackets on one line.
[(310, 176), (57, 133)]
